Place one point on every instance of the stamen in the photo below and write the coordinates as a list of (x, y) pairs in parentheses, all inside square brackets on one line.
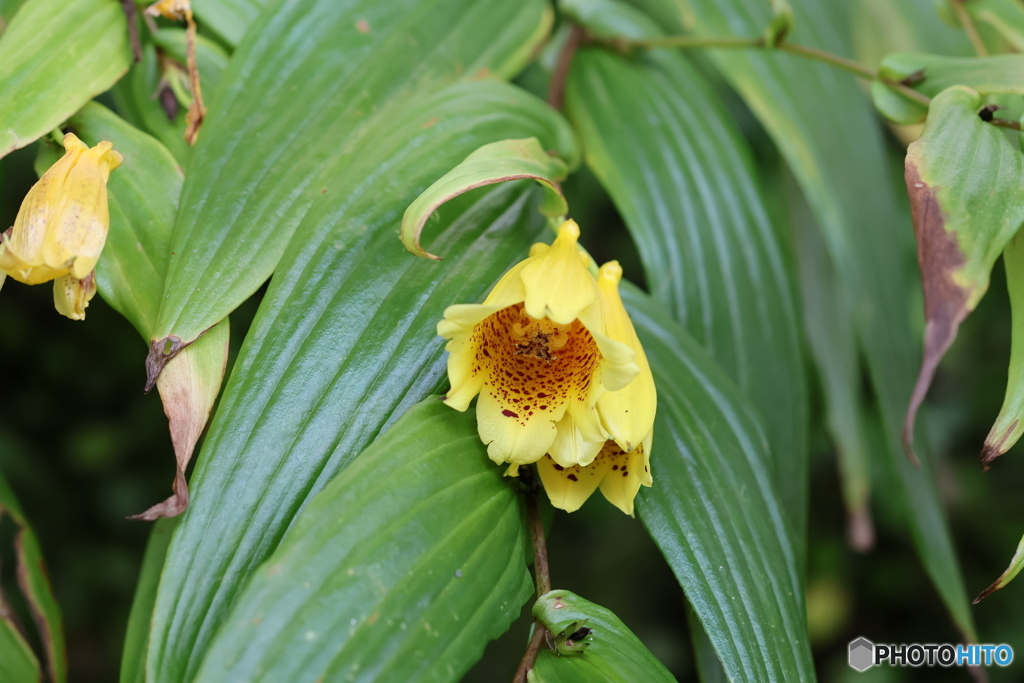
[(538, 338)]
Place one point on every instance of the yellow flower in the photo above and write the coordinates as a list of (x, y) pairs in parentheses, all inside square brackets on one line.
[(537, 353), (62, 224), (623, 464), (619, 474)]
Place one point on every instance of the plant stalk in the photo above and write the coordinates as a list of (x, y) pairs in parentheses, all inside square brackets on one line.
[(969, 28), (542, 574), (812, 53), (556, 87)]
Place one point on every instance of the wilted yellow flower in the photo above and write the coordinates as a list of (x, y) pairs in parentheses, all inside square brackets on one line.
[(537, 353), (175, 10), (623, 464), (62, 224)]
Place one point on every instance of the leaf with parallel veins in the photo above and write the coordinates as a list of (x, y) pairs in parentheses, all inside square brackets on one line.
[(965, 182)]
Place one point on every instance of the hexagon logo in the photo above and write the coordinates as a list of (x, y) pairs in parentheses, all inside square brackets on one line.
[(862, 654)]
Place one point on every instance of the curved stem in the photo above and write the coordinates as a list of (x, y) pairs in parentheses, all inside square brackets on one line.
[(688, 42), (542, 574), (813, 53), (969, 28), (556, 88), (1005, 123), (856, 68), (540, 548), (532, 651)]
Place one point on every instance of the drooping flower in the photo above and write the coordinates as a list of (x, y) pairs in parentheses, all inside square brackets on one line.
[(623, 464), (618, 473), (62, 225), (538, 354)]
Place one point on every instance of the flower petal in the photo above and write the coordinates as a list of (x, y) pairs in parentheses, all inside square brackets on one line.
[(625, 473), (628, 411), (23, 246), (569, 487), (71, 295), (557, 283), (78, 230), (464, 369), (570, 447), (510, 289)]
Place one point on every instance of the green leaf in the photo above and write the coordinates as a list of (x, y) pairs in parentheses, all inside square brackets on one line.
[(17, 663), (133, 658), (1016, 564), (964, 180), (1008, 426), (1006, 17), (931, 74), (228, 18), (315, 115), (896, 107), (714, 510), (828, 321), (54, 57), (709, 667), (834, 146), (606, 650), (401, 569), (8, 8), (16, 657), (608, 18), (143, 196), (496, 162), (684, 184), (310, 390)]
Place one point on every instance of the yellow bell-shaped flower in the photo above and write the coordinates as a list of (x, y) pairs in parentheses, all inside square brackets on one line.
[(62, 225), (538, 354), (627, 415)]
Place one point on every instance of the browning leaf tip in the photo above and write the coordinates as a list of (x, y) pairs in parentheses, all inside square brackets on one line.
[(161, 351)]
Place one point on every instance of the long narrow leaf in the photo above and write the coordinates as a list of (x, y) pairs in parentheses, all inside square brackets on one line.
[(16, 657), (400, 570), (662, 144), (43, 84), (824, 128), (309, 391), (715, 512), (312, 107)]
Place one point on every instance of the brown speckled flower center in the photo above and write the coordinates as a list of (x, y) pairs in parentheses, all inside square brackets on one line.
[(533, 367)]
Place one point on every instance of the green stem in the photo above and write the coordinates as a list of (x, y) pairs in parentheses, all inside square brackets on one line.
[(689, 42), (969, 28), (729, 42), (838, 61)]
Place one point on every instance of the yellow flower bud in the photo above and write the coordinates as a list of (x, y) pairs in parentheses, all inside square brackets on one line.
[(537, 353), (62, 224)]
